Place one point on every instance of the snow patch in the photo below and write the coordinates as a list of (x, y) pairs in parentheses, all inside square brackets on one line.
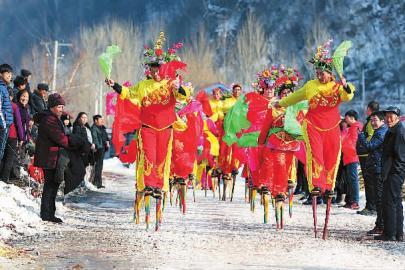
[(114, 165), (19, 212)]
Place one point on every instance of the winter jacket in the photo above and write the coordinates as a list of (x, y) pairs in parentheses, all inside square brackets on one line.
[(50, 138), (37, 103), (349, 143), (100, 136), (368, 132), (393, 157), (24, 123), (13, 132), (15, 92), (80, 131), (6, 110), (374, 148)]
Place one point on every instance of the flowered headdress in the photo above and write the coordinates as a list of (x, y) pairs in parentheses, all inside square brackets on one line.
[(287, 78), (266, 78), (156, 56), (322, 59)]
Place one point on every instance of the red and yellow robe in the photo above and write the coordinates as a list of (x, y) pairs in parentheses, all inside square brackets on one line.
[(156, 100), (321, 129), (187, 142), (277, 157)]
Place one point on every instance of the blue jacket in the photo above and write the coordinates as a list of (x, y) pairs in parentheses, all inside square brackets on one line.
[(374, 148), (6, 110)]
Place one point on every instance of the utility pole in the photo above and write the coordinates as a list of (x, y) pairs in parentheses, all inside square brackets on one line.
[(363, 88), (56, 57)]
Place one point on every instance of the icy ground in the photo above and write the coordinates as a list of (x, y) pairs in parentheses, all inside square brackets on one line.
[(98, 233)]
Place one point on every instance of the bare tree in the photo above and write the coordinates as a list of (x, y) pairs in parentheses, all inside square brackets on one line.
[(84, 87), (318, 35), (37, 59), (199, 55), (251, 52)]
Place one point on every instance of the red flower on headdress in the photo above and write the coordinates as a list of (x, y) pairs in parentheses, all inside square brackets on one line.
[(158, 52), (281, 80)]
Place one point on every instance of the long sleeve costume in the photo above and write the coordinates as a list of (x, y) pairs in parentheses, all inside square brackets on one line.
[(186, 143), (321, 129), (156, 100), (276, 166)]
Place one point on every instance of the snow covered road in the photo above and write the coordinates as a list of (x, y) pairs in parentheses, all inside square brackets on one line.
[(98, 233)]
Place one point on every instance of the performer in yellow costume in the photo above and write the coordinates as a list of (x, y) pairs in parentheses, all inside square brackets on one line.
[(321, 124)]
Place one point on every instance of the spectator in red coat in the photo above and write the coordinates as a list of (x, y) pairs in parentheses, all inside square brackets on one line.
[(51, 138), (350, 158)]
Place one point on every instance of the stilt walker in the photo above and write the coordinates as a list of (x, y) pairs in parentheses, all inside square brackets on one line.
[(321, 123), (156, 97), (280, 139), (185, 146), (243, 124)]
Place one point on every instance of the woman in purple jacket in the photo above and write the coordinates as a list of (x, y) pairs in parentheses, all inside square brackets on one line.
[(24, 112)]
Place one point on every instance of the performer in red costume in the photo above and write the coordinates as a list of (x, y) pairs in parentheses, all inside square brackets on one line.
[(278, 148), (321, 124), (156, 97), (186, 145)]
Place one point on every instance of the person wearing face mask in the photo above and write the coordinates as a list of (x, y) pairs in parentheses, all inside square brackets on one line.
[(278, 148), (321, 123)]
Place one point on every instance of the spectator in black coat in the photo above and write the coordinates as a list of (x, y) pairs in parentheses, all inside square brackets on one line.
[(372, 167), (38, 103), (82, 129), (26, 74), (101, 141), (19, 85), (362, 152), (393, 174)]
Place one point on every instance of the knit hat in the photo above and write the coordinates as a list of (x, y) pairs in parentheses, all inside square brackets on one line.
[(25, 72), (54, 100), (43, 86), (19, 80)]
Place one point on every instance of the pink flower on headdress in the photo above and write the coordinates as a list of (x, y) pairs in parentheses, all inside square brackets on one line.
[(146, 47), (262, 84), (178, 45), (127, 84), (171, 51)]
